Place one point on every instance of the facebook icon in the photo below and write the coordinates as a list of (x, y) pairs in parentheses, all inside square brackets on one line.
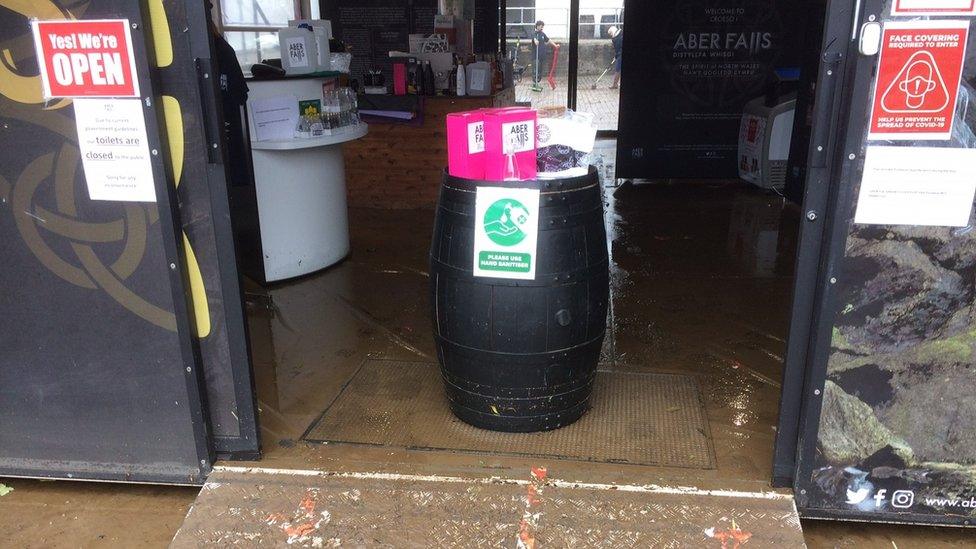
[(879, 497)]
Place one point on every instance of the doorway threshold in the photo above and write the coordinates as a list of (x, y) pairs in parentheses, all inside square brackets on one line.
[(318, 508)]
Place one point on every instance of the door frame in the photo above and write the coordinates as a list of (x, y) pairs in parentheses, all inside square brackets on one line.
[(247, 444), (825, 163)]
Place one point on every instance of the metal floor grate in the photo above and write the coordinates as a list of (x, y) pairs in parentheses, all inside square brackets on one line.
[(645, 419)]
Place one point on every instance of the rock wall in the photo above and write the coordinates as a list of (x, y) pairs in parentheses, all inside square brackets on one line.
[(898, 407), (905, 337)]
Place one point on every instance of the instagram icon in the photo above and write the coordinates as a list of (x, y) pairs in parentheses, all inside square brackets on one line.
[(902, 499)]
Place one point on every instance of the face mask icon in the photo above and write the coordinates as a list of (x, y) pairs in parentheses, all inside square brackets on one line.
[(917, 83), (918, 88)]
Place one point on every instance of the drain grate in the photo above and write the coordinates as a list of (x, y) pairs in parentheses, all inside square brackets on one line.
[(645, 419)]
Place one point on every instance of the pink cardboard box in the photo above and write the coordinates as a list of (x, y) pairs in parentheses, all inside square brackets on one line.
[(510, 130), (466, 144)]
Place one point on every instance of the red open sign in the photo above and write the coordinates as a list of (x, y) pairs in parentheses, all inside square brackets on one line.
[(86, 58)]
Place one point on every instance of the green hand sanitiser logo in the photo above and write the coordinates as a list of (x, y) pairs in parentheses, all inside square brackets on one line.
[(504, 222)]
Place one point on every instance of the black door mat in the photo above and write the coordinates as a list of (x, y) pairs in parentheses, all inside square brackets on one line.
[(641, 419)]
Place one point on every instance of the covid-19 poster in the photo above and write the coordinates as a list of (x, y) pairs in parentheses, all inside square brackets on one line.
[(689, 76)]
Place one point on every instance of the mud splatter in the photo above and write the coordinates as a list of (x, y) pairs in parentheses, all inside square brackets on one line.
[(529, 524), (304, 523), (730, 538)]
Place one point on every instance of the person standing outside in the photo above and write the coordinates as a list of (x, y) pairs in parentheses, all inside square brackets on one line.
[(539, 41), (617, 39)]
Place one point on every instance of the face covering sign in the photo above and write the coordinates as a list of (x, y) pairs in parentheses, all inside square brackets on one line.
[(919, 72)]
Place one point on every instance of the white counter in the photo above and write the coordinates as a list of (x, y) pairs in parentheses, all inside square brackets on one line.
[(345, 134), (301, 191)]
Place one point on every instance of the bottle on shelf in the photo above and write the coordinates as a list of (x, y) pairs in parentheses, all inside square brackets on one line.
[(462, 84), (428, 77)]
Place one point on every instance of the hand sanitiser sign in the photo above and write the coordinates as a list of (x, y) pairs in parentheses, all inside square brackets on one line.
[(506, 229)]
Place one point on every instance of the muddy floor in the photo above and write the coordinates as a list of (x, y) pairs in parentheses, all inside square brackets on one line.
[(700, 285)]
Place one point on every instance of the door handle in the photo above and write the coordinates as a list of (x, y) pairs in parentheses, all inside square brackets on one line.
[(869, 43)]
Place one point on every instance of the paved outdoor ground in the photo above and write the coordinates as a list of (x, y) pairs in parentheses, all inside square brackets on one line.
[(603, 102)]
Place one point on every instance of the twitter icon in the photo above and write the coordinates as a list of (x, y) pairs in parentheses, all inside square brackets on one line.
[(853, 498)]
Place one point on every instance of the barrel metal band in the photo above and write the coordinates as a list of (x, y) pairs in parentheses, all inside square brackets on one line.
[(550, 280), (548, 355), (582, 384)]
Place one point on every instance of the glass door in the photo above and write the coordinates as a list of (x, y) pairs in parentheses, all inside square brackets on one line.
[(567, 53), (598, 60), (537, 36)]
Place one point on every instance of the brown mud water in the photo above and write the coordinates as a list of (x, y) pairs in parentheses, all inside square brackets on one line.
[(520, 355)]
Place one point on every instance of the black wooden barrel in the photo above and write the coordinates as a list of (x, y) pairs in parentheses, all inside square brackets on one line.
[(520, 355)]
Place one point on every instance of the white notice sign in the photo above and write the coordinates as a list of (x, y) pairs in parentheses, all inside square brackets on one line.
[(506, 232), (114, 149), (917, 186), (274, 118)]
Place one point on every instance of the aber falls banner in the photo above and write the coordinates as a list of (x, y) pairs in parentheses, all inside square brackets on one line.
[(689, 68)]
